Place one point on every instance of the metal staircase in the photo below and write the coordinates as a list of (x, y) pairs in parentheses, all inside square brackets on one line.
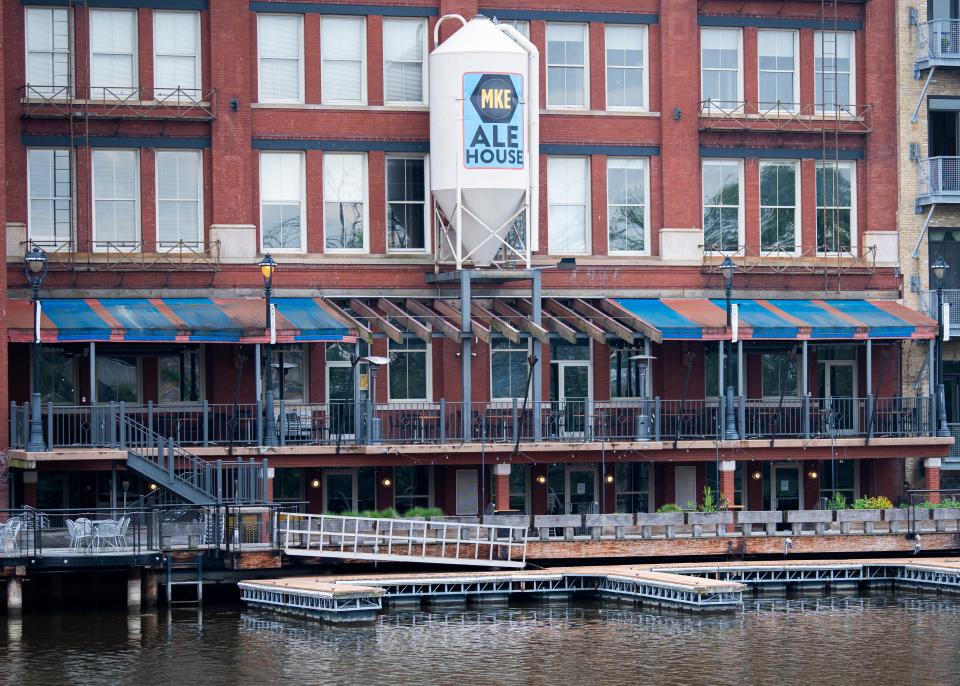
[(166, 463)]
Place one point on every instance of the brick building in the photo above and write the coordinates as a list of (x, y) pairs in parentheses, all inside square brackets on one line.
[(156, 153)]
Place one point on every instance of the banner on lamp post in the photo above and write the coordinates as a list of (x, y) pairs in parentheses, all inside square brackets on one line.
[(946, 322), (734, 323), (36, 322), (273, 324)]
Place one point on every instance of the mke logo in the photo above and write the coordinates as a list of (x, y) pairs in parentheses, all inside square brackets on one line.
[(493, 121)]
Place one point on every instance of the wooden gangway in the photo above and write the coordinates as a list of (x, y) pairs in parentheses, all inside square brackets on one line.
[(401, 540)]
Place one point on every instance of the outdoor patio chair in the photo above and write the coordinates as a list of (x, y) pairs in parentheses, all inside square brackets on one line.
[(121, 535), (79, 534), (9, 536), (105, 533)]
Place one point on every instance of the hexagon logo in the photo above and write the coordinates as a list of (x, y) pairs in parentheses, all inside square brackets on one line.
[(495, 98)]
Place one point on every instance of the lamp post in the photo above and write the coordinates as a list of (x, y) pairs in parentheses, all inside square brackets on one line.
[(35, 267), (267, 267), (730, 422), (373, 433), (939, 271)]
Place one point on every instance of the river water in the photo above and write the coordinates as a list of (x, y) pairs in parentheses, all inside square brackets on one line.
[(879, 640)]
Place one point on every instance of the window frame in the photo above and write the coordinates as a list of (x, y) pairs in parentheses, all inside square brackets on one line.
[(427, 209), (513, 349), (588, 225), (198, 154), (428, 495), (197, 57), (119, 354), (819, 106), (425, 51), (585, 28), (644, 69), (646, 208), (794, 107), (629, 467), (615, 350), (854, 243), (324, 99), (138, 229), (135, 58), (741, 239), (713, 108), (797, 204), (796, 365), (301, 94), (201, 374), (279, 350), (303, 203), (68, 88), (428, 367), (365, 190), (30, 198), (712, 349)]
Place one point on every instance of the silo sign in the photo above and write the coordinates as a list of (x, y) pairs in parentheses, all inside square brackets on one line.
[(493, 121)]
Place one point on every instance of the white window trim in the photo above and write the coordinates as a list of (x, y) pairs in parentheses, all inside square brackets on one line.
[(645, 71), (741, 239), (588, 228), (646, 208), (516, 350), (429, 369), (30, 197), (425, 80), (427, 223), (198, 71), (68, 89), (300, 61), (586, 68), (303, 204), (363, 65), (135, 65), (854, 243), (713, 108), (798, 220), (852, 95), (794, 107), (366, 207), (201, 242), (138, 236)]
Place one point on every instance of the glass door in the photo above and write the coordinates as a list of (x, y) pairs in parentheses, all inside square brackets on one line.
[(839, 383), (340, 407), (581, 490), (786, 488), (571, 392), (339, 490)]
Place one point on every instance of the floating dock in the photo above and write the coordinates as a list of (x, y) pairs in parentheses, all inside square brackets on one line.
[(693, 587)]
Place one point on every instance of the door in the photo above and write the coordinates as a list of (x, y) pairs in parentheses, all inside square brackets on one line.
[(787, 492), (685, 486), (468, 500), (339, 488), (52, 491), (340, 406), (571, 392), (581, 490), (839, 384)]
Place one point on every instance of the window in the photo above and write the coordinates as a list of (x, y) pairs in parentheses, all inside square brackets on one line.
[(179, 192), (720, 80), (48, 52), (778, 206), (280, 51), (710, 370), (118, 378), (508, 369), (722, 205), (288, 485), (180, 377), (113, 54), (289, 372), (626, 76), (566, 65), (58, 376), (633, 486), (409, 370), (627, 376), (281, 201), (567, 183), (406, 203), (519, 478), (50, 210), (836, 195), (176, 46), (522, 27), (778, 373), (844, 472), (411, 488), (834, 76), (344, 202), (778, 85), (116, 186), (404, 61), (343, 46), (627, 205)]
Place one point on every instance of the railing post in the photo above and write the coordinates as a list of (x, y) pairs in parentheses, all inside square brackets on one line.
[(170, 457), (50, 426), (150, 425), (266, 481), (443, 421), (24, 423), (742, 415), (219, 481), (112, 434), (516, 420), (259, 422), (870, 408), (932, 414), (123, 425), (806, 415), (283, 423), (206, 423), (537, 420), (656, 418), (720, 419), (14, 437)]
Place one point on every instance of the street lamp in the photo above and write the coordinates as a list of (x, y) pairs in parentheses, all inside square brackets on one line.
[(730, 424), (939, 269), (373, 429), (35, 265), (267, 267)]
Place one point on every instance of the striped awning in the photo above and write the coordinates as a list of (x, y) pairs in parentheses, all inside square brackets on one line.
[(209, 320), (702, 319)]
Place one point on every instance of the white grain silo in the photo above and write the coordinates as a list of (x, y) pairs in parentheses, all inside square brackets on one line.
[(483, 142)]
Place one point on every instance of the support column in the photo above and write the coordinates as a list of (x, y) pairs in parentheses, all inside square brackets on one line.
[(466, 359), (501, 486), (536, 392), (14, 595), (150, 588), (728, 489), (133, 589), (931, 467)]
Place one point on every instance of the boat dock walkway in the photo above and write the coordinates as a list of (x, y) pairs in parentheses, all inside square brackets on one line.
[(694, 587)]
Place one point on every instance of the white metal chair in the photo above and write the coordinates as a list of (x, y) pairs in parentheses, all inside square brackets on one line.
[(10, 536), (121, 536), (105, 532), (79, 534)]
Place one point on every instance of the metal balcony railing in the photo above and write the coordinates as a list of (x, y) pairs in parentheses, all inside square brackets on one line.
[(938, 43), (749, 115), (951, 296), (939, 180), (46, 102), (135, 255)]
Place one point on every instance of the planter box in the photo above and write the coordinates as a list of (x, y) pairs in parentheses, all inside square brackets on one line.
[(597, 522), (867, 517), (897, 517), (718, 519), (566, 522), (819, 519), (942, 515), (669, 520), (746, 519)]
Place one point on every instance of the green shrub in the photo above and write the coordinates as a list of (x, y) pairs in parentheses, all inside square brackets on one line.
[(837, 502), (877, 502), (709, 503), (943, 504), (669, 507), (423, 512), (388, 513), (349, 513)]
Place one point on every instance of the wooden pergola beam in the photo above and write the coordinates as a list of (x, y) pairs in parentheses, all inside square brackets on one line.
[(565, 332), (621, 313), (477, 328), (364, 310), (522, 320), (418, 329), (582, 323), (495, 322), (603, 320), (363, 331), (448, 329)]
